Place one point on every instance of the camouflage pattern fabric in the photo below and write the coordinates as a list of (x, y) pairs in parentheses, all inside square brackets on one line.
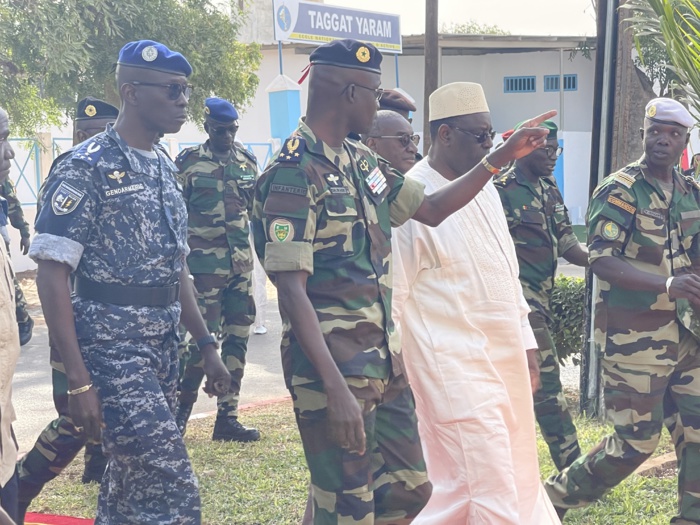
[(330, 212), (115, 215), (14, 211), (651, 366), (316, 210), (219, 198), (551, 410), (388, 483), (227, 306), (541, 230), (56, 447), (20, 303)]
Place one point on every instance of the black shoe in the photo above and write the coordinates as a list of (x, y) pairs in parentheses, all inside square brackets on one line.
[(227, 428), (560, 513), (182, 415), (91, 477), (25, 331)]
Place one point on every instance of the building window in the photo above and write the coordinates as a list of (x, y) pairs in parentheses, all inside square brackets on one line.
[(551, 82), (519, 84)]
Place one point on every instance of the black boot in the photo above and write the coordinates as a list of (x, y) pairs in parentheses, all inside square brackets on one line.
[(25, 331), (182, 416), (227, 428)]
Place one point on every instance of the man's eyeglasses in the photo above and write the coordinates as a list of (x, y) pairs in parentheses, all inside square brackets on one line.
[(378, 92), (174, 90), (224, 129), (553, 152), (405, 139), (480, 137)]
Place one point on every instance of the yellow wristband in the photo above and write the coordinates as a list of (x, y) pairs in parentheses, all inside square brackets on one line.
[(489, 167), (80, 390)]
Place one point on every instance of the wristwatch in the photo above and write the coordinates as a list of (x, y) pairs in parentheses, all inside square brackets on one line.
[(206, 340)]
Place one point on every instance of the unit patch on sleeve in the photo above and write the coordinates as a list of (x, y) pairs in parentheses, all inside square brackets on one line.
[(66, 199), (610, 231), (281, 230)]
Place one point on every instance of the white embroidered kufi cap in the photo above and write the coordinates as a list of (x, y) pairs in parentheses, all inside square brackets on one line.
[(458, 98)]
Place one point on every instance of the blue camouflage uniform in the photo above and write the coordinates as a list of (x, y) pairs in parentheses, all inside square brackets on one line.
[(116, 216)]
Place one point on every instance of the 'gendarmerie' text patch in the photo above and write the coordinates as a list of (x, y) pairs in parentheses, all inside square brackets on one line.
[(283, 188), (124, 190)]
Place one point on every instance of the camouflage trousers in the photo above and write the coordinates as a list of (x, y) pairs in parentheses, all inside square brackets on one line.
[(149, 478), (56, 447), (20, 304), (228, 308), (388, 484), (639, 398), (551, 410)]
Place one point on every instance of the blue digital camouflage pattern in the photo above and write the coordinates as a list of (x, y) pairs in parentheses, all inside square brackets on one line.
[(115, 215)]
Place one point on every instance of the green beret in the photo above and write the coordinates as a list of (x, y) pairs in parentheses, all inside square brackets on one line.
[(548, 124)]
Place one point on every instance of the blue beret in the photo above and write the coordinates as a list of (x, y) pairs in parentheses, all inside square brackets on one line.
[(94, 108), (348, 53), (220, 110), (669, 111), (148, 54)]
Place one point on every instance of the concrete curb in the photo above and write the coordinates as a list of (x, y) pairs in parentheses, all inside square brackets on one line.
[(247, 406), (665, 461)]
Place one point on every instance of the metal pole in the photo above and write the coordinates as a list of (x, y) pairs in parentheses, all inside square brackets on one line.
[(279, 53), (432, 58), (396, 67), (561, 89)]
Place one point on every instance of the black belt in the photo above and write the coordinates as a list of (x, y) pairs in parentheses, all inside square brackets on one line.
[(126, 295)]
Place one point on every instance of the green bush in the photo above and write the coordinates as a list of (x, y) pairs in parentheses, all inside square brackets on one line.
[(569, 316)]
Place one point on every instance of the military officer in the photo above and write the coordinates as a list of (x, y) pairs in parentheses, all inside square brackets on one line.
[(322, 221), (15, 214), (645, 249), (60, 442), (393, 139), (112, 212), (218, 178), (539, 224)]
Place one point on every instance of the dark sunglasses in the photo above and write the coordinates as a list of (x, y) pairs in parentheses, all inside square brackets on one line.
[(223, 130), (405, 139), (480, 137), (174, 90)]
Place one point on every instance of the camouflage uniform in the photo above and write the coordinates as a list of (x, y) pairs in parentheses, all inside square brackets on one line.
[(219, 197), (650, 364), (331, 216), (16, 216), (116, 216), (542, 232)]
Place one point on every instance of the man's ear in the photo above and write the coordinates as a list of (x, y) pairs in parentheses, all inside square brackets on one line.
[(81, 136), (371, 143), (128, 94), (445, 133)]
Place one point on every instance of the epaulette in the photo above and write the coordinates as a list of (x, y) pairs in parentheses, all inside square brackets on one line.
[(182, 156), (624, 178), (246, 152), (292, 150), (91, 150)]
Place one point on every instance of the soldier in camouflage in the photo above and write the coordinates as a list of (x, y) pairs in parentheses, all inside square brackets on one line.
[(112, 212), (541, 230), (218, 178), (16, 216), (322, 220), (645, 251), (60, 442)]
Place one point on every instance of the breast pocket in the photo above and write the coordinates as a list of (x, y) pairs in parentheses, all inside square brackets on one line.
[(205, 193), (334, 236), (532, 218), (649, 240)]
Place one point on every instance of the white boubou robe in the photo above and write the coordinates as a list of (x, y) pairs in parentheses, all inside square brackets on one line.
[(464, 331)]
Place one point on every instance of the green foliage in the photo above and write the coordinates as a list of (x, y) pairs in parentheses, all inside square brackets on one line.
[(472, 27), (674, 25), (54, 53), (653, 60), (569, 316)]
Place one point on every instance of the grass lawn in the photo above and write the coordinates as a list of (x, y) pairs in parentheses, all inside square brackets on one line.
[(265, 483)]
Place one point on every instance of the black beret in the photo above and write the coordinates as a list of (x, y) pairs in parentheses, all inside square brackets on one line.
[(348, 53), (94, 108)]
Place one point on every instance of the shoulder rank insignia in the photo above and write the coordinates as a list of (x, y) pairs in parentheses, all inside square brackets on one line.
[(621, 204), (292, 150), (625, 179), (249, 154), (90, 151)]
